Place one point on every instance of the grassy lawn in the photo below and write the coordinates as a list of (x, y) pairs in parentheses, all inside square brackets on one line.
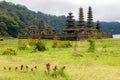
[(103, 64)]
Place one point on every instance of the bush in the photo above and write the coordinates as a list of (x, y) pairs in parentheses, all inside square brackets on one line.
[(40, 46), (32, 42), (60, 44), (104, 48), (58, 72), (54, 72), (92, 45), (68, 44), (23, 45), (9, 51), (57, 42), (1, 38)]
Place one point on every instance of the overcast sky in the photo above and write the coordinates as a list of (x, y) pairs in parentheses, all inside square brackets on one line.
[(103, 10)]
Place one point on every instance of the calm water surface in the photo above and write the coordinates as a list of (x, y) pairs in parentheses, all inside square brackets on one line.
[(116, 36)]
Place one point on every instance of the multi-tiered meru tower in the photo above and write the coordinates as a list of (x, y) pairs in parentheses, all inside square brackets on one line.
[(81, 22), (90, 18), (70, 29), (80, 27)]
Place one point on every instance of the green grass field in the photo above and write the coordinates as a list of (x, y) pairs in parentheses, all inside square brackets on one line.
[(103, 64)]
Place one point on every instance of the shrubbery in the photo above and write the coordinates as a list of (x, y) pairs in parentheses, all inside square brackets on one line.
[(36, 44), (92, 45), (68, 44), (60, 44), (40, 46), (9, 51), (32, 42), (55, 71), (1, 38), (22, 45)]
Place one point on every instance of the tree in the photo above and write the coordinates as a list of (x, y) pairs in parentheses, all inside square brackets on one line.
[(98, 26), (8, 25), (3, 29)]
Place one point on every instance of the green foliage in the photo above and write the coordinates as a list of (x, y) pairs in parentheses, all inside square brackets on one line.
[(40, 46), (104, 48), (60, 44), (9, 51), (55, 72), (26, 17), (31, 42), (58, 72), (1, 38), (8, 26), (23, 45), (3, 29), (68, 44), (95, 34), (91, 45), (77, 68)]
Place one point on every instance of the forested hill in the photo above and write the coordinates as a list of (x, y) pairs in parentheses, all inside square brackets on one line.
[(26, 18), (111, 26), (17, 18)]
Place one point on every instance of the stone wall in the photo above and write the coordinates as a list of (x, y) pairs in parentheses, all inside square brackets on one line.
[(66, 36)]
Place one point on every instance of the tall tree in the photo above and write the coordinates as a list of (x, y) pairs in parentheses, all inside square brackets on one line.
[(3, 29), (98, 26), (9, 25)]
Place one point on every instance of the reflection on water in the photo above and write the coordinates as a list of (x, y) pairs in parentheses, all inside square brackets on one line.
[(116, 36)]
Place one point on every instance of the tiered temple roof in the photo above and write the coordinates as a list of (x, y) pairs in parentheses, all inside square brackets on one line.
[(90, 18), (81, 23), (70, 24)]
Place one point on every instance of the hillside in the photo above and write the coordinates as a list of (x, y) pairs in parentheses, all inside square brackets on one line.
[(26, 18), (110, 26)]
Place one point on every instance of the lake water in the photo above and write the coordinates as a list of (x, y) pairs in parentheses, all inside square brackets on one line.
[(116, 36)]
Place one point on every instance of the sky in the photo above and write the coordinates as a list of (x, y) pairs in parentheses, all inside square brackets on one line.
[(103, 10)]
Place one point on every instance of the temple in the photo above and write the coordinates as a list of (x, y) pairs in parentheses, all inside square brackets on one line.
[(70, 29), (81, 30)]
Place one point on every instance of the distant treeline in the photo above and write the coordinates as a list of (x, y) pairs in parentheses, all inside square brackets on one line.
[(114, 27), (18, 18)]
